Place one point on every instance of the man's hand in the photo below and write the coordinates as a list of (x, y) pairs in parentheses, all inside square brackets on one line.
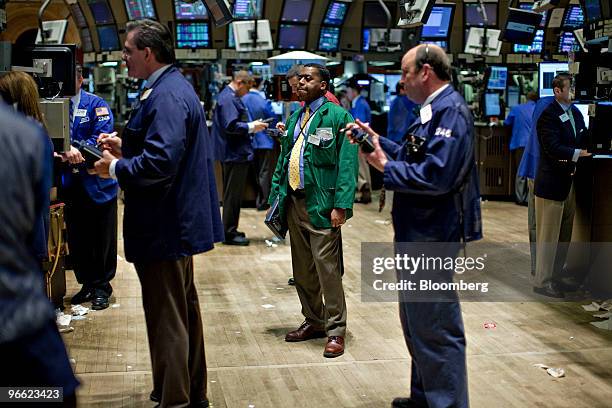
[(258, 126), (281, 126), (377, 158), (110, 142), (584, 153), (338, 217), (72, 156), (102, 166)]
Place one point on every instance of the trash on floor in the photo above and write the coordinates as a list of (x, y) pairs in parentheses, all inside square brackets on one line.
[(271, 244), (603, 315), (489, 325), (79, 310), (552, 371), (593, 307), (268, 306), (604, 325), (63, 319), (116, 305), (66, 329)]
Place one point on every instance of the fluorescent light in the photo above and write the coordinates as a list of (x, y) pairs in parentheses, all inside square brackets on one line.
[(110, 64), (257, 63)]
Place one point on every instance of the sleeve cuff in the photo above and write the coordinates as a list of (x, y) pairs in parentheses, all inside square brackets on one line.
[(576, 155), (111, 169), (251, 127)]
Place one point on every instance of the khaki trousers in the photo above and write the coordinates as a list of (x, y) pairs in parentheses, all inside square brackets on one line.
[(364, 178), (554, 222), (316, 256)]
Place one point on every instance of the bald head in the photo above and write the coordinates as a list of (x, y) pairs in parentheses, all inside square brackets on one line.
[(425, 68)]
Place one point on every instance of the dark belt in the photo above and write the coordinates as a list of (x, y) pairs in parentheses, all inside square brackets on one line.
[(297, 193)]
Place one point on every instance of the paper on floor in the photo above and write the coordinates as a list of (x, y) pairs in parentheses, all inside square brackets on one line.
[(552, 371), (79, 310), (604, 325), (63, 319)]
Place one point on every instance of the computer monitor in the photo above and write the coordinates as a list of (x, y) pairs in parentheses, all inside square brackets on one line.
[(192, 35), (413, 13), (374, 37), (439, 22), (140, 9), (296, 11), (101, 12), (329, 38), (243, 9), (219, 12), (86, 43), (474, 42), (391, 81), (442, 44), (190, 11), (574, 18), (529, 6), (584, 110), (78, 16), (374, 15), (492, 107), (592, 10), (521, 26), (547, 72), (567, 43), (498, 78), (292, 36), (336, 13), (473, 15), (513, 96), (534, 48), (53, 32), (231, 43), (108, 38), (243, 35), (277, 108)]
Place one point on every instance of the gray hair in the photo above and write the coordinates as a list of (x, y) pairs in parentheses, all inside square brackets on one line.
[(152, 34), (294, 71)]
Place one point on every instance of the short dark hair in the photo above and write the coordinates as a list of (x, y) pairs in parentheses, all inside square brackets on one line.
[(323, 73), (152, 34), (532, 96), (436, 58), (559, 80), (293, 72)]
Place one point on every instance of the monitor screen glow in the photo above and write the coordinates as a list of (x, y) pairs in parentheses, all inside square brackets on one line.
[(296, 11), (336, 12), (498, 78), (473, 15), (547, 72), (529, 6), (574, 18), (243, 9), (101, 12), (108, 38), (567, 43), (192, 35), (439, 22), (329, 38), (140, 9), (492, 106), (190, 11), (584, 109), (534, 48), (292, 37)]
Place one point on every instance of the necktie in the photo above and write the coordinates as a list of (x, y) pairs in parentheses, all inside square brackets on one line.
[(71, 116), (296, 152)]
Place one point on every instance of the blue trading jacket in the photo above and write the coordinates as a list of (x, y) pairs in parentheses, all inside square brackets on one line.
[(531, 155), (93, 117), (401, 116), (260, 108), (362, 110), (520, 118), (230, 129), (171, 202), (428, 197)]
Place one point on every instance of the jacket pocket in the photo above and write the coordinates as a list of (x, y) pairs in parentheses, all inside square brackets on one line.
[(324, 155)]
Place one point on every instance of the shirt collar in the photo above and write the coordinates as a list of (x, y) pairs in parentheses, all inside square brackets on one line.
[(564, 106), (76, 99), (155, 75), (354, 101), (316, 104), (433, 96)]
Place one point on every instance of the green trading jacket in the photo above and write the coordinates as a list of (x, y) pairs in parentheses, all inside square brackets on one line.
[(330, 169)]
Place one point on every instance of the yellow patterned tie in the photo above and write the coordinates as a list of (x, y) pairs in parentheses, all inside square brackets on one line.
[(294, 160)]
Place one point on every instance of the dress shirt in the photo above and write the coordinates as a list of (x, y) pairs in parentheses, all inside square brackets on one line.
[(431, 97), (314, 106), (568, 110), (250, 124)]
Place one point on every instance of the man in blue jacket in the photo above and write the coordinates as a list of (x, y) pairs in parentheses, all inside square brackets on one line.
[(436, 200), (232, 132), (401, 115), (91, 203), (360, 109), (164, 164), (263, 144)]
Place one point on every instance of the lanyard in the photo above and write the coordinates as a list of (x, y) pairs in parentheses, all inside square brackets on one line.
[(302, 127)]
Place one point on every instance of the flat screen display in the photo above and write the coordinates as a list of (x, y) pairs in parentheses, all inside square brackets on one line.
[(329, 38), (86, 42), (292, 37), (192, 35), (498, 78), (439, 22), (101, 12), (593, 10), (243, 9), (492, 106), (567, 43), (441, 44), (529, 6), (473, 15), (534, 48), (78, 16), (547, 72), (574, 18), (336, 12), (231, 41), (374, 15), (584, 109), (187, 11), (296, 11), (513, 96), (108, 38), (140, 9)]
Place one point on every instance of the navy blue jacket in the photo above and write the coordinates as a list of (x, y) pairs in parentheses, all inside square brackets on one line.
[(230, 129), (531, 155), (520, 118), (362, 110), (93, 117), (557, 146), (401, 116), (260, 108), (428, 199), (171, 203), (25, 177)]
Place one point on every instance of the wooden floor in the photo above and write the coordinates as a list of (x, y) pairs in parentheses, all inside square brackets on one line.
[(247, 307)]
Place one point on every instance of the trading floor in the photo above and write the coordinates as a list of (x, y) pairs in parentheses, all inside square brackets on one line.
[(247, 308)]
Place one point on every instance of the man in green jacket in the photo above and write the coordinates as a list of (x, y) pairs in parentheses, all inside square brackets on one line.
[(315, 181)]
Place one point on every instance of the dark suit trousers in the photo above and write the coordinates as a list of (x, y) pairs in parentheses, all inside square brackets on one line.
[(174, 329), (316, 256), (264, 168), (92, 236), (234, 180)]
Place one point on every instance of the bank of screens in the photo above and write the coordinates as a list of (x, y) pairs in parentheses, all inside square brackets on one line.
[(473, 14), (574, 18), (567, 43), (547, 72), (86, 42), (101, 12), (439, 22), (243, 9), (189, 11), (492, 106), (192, 35), (534, 48), (336, 12), (592, 10), (292, 37), (529, 6), (108, 38), (78, 16), (329, 38), (139, 9), (296, 11), (498, 78)]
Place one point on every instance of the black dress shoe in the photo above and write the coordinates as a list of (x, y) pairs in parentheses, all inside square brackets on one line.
[(201, 404), (237, 240), (100, 299), (569, 284), (291, 282), (404, 402), (154, 396), (550, 290), (85, 295)]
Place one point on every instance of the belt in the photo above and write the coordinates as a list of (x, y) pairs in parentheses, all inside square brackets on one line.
[(297, 193)]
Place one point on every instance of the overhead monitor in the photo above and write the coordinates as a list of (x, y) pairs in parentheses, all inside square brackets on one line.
[(475, 43), (244, 33), (498, 77), (140, 9), (374, 15), (296, 11), (292, 36), (442, 44), (521, 26), (243, 9), (336, 13), (374, 40), (584, 110), (492, 107), (439, 22), (78, 16), (86, 42), (567, 43), (108, 38), (192, 35), (413, 13), (592, 10), (101, 12), (473, 14), (219, 11), (574, 18), (53, 32), (329, 38), (190, 11), (534, 48), (231, 43), (513, 96), (529, 6), (547, 72)]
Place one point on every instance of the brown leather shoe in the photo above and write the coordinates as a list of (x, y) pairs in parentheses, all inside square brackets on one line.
[(334, 347), (305, 332)]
